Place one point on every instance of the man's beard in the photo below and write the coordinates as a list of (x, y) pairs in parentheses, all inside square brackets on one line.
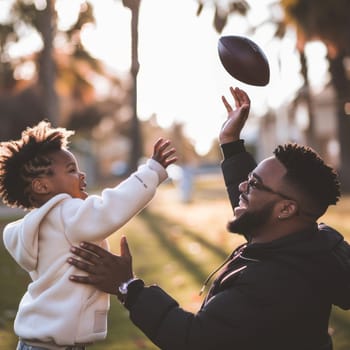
[(249, 222)]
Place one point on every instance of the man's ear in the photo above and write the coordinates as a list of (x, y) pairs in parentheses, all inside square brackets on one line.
[(40, 186), (287, 208)]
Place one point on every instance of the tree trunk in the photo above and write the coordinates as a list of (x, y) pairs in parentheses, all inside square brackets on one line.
[(305, 95), (47, 69), (135, 132), (342, 89)]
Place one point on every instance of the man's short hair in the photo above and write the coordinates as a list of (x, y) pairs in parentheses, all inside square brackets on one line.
[(307, 171), (25, 159)]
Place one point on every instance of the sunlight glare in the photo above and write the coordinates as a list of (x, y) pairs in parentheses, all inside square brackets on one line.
[(68, 12), (5, 7), (26, 46), (316, 53), (110, 39), (25, 71), (40, 4)]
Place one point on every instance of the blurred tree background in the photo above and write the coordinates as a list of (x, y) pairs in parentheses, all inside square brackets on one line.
[(327, 21), (60, 80), (54, 80)]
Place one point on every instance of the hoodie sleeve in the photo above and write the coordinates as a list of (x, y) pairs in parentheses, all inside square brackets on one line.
[(235, 167), (97, 217)]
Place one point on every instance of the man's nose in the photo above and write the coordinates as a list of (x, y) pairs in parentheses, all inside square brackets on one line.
[(243, 187)]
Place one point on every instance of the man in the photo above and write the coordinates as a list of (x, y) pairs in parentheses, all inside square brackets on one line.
[(276, 291)]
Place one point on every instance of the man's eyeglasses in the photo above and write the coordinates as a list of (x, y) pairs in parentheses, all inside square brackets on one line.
[(256, 183)]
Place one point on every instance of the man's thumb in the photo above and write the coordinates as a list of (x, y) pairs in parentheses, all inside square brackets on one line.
[(124, 247)]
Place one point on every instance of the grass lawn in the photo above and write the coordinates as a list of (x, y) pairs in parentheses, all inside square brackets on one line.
[(175, 245)]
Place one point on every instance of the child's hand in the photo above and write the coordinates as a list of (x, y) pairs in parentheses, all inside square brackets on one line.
[(163, 155)]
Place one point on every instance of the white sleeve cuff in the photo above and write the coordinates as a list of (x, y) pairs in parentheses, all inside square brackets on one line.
[(158, 168)]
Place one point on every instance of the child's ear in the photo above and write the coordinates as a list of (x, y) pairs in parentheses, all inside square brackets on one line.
[(40, 186)]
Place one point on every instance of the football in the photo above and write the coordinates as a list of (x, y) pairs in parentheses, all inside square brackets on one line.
[(244, 60)]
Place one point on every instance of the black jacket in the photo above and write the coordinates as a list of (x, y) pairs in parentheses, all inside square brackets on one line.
[(271, 296)]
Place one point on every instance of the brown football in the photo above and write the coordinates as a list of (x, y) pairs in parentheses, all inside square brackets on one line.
[(244, 60)]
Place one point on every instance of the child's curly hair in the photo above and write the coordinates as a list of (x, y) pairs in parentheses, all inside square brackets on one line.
[(25, 159), (308, 172)]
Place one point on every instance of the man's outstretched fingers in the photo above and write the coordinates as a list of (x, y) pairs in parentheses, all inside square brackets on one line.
[(86, 255), (81, 265), (89, 252), (80, 279), (94, 249)]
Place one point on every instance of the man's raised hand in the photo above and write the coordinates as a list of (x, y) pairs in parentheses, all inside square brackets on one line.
[(236, 118)]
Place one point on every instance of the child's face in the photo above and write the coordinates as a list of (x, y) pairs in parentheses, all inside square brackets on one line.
[(66, 176)]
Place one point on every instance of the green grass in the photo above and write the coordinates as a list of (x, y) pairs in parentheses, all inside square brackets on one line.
[(174, 245)]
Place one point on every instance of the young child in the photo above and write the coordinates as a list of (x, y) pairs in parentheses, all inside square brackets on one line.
[(38, 172)]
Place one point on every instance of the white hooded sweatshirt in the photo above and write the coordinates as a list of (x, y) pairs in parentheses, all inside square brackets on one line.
[(55, 310)]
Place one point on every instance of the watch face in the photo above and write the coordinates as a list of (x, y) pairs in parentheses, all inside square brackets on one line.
[(123, 288)]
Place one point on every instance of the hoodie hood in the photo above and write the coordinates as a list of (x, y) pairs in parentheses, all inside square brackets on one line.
[(320, 255), (21, 237), (321, 239)]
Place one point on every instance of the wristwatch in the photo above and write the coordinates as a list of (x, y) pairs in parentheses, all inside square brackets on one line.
[(123, 288), (129, 291)]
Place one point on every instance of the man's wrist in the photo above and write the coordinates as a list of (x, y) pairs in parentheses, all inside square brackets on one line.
[(227, 139), (123, 287), (232, 148), (129, 291)]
